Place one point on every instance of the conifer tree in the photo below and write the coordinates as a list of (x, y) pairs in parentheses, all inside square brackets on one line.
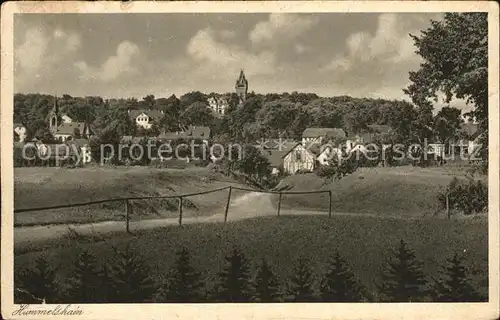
[(129, 277), (85, 285), (234, 281), (38, 284), (455, 285), (301, 282), (403, 279), (184, 283), (340, 284), (266, 284)]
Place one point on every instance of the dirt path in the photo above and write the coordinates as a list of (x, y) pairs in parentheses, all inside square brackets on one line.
[(250, 205)]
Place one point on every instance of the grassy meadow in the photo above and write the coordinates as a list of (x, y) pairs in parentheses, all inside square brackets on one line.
[(396, 191), (366, 243), (43, 187)]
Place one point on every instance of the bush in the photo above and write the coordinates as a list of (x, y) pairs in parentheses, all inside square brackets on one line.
[(469, 198)]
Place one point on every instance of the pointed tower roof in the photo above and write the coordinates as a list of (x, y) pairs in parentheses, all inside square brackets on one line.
[(55, 107), (241, 79)]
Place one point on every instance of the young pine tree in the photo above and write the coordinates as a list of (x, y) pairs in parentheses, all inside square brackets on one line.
[(403, 280), (184, 283), (130, 278), (340, 284), (85, 283), (266, 284), (301, 282), (455, 286), (234, 281), (38, 284)]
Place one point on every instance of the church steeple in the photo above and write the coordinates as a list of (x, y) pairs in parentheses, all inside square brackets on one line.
[(241, 86), (54, 115)]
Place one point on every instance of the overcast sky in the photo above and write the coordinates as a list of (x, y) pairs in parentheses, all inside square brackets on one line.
[(125, 55)]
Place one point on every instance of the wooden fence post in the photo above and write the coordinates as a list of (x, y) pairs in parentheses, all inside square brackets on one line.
[(127, 215), (227, 204), (448, 206), (329, 203), (279, 204), (180, 211)]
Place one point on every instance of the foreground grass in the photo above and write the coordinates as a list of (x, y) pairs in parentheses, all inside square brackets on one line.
[(364, 241)]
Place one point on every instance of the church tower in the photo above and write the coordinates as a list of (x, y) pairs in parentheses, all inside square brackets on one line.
[(54, 114), (241, 87)]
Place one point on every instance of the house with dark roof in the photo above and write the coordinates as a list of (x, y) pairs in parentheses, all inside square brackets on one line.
[(145, 118), (276, 152), (320, 135)]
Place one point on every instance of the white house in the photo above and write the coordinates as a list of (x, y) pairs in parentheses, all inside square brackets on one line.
[(145, 118), (298, 158), (20, 130), (328, 153), (218, 104)]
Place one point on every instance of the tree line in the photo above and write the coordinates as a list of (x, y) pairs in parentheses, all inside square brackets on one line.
[(125, 278)]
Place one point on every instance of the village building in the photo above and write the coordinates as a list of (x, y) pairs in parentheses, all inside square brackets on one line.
[(218, 104), (68, 129), (145, 118), (275, 153), (318, 136), (298, 159), (241, 87), (21, 131)]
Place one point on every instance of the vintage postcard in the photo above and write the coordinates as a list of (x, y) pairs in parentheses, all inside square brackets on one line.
[(250, 160)]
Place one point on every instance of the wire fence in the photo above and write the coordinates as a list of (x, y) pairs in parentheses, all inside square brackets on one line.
[(180, 204)]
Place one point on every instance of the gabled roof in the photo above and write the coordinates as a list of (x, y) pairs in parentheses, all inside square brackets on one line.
[(324, 132), (154, 114), (275, 156), (78, 142)]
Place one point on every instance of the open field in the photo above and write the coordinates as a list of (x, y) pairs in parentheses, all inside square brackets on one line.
[(406, 190), (364, 241), (43, 187), (389, 191)]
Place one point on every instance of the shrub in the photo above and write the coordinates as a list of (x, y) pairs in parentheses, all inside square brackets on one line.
[(469, 198), (38, 284)]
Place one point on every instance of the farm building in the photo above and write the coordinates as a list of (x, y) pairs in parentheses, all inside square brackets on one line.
[(297, 159), (275, 154), (190, 133)]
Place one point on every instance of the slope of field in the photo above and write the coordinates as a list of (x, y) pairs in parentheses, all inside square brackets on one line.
[(386, 191), (43, 187), (364, 241)]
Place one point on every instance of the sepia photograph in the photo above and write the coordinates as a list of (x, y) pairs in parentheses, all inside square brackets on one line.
[(254, 160)]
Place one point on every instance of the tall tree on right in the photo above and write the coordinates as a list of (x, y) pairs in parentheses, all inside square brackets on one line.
[(455, 54), (403, 279), (454, 286)]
